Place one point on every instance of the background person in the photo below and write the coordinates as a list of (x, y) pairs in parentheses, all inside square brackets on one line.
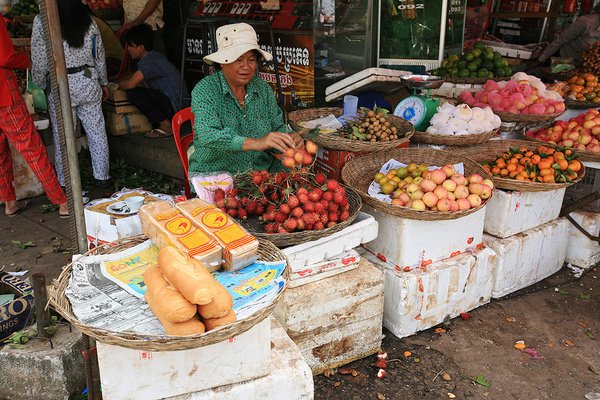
[(17, 127), (86, 72), (148, 12), (236, 118), (160, 100)]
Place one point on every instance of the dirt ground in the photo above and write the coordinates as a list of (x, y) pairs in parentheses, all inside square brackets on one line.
[(558, 318)]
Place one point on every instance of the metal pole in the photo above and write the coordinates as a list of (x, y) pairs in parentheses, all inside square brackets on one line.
[(40, 299), (69, 150)]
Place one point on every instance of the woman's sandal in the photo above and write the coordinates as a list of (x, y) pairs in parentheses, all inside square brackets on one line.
[(157, 133), (22, 205)]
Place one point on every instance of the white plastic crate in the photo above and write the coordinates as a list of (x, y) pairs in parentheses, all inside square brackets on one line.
[(335, 320), (344, 262), (409, 242), (528, 257), (136, 374), (289, 376), (421, 298), (581, 251), (511, 212), (362, 230)]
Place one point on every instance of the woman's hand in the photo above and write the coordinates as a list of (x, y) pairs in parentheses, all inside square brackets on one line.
[(298, 140), (274, 140), (104, 92)]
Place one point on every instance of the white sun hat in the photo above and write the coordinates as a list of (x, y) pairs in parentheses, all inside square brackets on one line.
[(233, 40)]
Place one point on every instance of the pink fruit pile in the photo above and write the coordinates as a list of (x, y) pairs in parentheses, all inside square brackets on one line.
[(580, 133), (517, 97), (287, 202), (103, 4), (443, 189), (304, 156)]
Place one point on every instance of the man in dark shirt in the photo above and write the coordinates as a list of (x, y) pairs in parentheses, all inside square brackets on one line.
[(159, 101)]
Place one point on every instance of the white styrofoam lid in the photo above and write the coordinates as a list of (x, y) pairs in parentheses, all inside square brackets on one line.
[(374, 73)]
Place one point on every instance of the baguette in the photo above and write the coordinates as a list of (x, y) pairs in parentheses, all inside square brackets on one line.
[(171, 303), (213, 323), (220, 305), (186, 328)]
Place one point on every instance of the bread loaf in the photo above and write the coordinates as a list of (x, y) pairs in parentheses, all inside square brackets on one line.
[(165, 225), (171, 303), (220, 305), (211, 324), (190, 327), (239, 247)]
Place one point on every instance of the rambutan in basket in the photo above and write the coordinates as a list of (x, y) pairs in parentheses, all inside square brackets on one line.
[(358, 173), (584, 155), (453, 140), (132, 340), (253, 226), (335, 142), (490, 151)]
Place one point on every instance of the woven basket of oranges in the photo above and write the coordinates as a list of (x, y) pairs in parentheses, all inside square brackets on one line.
[(582, 90)]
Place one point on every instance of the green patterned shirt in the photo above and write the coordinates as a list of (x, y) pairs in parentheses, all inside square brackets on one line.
[(221, 126)]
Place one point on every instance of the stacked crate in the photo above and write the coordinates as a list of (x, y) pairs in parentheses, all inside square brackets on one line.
[(333, 309), (529, 239), (121, 116)]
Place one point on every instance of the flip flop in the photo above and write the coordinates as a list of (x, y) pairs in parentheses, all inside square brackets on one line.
[(22, 205), (157, 133)]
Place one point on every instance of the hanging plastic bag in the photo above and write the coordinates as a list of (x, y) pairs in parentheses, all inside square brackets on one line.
[(39, 97)]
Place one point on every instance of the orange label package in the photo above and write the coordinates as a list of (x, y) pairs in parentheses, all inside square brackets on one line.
[(166, 226), (240, 248)]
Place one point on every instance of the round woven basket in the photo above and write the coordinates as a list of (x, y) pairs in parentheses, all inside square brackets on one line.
[(475, 81), (577, 104), (512, 117), (358, 173), (453, 140), (584, 155), (336, 142), (290, 239), (489, 151), (59, 301)]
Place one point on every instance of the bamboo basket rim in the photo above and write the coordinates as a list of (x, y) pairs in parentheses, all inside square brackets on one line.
[(512, 117), (358, 173), (584, 155), (475, 81), (335, 142), (578, 104), (456, 140), (480, 153), (138, 341), (294, 238)]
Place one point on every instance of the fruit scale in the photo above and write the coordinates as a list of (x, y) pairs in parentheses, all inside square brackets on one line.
[(418, 108)]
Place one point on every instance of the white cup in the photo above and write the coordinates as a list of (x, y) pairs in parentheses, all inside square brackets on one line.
[(134, 202)]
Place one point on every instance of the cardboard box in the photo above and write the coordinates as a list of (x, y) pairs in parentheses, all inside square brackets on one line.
[(412, 243), (330, 162), (18, 313), (511, 212), (581, 251), (421, 298), (118, 102), (335, 320), (528, 257), (121, 124), (346, 261), (137, 374)]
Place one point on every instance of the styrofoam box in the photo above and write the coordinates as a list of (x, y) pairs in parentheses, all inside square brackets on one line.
[(410, 242), (136, 374), (421, 298), (289, 376), (581, 251), (362, 230), (510, 212), (104, 228), (528, 257), (346, 261), (335, 320)]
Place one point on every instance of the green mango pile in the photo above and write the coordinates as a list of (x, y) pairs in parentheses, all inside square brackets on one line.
[(25, 7), (481, 62)]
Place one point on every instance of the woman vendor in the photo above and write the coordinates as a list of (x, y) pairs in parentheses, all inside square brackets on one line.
[(237, 122)]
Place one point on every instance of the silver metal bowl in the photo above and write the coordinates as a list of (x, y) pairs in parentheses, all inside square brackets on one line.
[(423, 81)]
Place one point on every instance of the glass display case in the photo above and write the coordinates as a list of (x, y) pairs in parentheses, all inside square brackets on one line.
[(315, 42)]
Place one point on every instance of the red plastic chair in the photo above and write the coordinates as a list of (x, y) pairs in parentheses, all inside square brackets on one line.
[(183, 143)]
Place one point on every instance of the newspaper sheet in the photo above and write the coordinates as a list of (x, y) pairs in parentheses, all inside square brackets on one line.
[(106, 291)]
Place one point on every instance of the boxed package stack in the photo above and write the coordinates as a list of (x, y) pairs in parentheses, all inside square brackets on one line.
[(121, 116)]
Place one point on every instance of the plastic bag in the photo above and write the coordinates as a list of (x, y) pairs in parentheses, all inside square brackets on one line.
[(39, 97), (206, 185)]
